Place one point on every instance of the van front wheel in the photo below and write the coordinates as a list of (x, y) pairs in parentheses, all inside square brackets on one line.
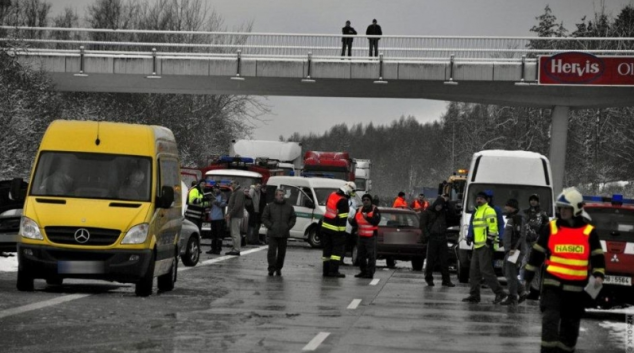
[(143, 287), (166, 281), (313, 238), (25, 282)]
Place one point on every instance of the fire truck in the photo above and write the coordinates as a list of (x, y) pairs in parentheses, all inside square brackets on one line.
[(334, 165), (613, 219)]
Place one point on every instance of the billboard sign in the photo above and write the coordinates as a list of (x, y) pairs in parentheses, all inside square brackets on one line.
[(579, 69)]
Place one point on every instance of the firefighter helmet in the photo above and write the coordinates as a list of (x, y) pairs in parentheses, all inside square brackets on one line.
[(571, 197)]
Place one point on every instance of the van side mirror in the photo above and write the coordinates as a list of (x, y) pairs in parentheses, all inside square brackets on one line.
[(16, 191), (167, 197)]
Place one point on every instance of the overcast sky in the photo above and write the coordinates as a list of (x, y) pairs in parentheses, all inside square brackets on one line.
[(396, 17)]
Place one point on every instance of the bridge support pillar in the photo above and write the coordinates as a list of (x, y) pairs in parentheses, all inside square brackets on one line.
[(558, 143)]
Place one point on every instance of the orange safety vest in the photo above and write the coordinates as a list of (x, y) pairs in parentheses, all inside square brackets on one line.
[(418, 206), (331, 205), (400, 203), (332, 220), (365, 228), (569, 252)]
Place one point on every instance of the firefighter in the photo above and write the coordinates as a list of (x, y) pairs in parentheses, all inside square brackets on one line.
[(485, 239), (420, 204), (570, 249), (333, 229), (399, 201)]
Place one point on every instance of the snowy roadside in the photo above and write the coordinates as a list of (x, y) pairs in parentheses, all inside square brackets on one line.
[(9, 264)]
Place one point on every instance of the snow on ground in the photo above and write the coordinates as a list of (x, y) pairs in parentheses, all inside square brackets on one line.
[(9, 264), (617, 330)]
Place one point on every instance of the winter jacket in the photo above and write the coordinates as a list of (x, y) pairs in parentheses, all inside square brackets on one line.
[(217, 208), (434, 223), (536, 220), (348, 31), (374, 30), (279, 218), (515, 234), (235, 208)]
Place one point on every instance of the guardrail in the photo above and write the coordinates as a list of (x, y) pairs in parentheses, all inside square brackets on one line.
[(281, 45)]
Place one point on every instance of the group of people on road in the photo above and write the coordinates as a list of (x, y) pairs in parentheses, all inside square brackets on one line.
[(373, 30)]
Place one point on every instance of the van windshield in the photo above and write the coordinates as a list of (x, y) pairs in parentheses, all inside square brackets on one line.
[(322, 195), (501, 194), (93, 175)]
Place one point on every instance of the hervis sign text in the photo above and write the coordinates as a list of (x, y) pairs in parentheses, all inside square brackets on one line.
[(577, 68)]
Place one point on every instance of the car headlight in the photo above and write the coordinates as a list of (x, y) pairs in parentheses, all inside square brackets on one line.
[(30, 229), (136, 234)]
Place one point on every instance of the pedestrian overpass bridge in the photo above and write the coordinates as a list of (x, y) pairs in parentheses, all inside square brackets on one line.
[(492, 70)]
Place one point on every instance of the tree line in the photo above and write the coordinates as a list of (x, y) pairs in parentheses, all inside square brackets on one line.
[(203, 125), (407, 155)]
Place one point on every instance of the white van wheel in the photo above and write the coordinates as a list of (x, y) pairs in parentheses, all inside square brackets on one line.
[(313, 238)]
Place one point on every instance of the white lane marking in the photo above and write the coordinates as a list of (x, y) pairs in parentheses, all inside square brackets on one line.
[(354, 304), (40, 305), (374, 282), (315, 342), (222, 258), (67, 298)]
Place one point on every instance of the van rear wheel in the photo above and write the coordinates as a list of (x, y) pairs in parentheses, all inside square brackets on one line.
[(143, 287), (25, 281), (166, 281)]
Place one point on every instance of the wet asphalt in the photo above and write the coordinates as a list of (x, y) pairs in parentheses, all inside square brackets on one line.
[(232, 305)]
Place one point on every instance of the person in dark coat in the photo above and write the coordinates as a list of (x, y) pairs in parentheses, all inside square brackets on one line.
[(434, 226), (536, 220), (347, 41), (278, 217), (515, 234), (374, 30)]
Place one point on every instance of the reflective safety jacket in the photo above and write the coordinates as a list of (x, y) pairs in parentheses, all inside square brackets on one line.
[(485, 227), (569, 252), (196, 197), (367, 229), (336, 214), (419, 206), (399, 202)]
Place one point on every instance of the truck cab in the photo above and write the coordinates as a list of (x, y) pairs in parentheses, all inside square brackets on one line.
[(333, 165), (362, 175), (613, 218)]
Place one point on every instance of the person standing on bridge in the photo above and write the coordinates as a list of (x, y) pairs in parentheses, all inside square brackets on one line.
[(347, 41), (571, 250), (374, 30), (278, 217), (333, 230)]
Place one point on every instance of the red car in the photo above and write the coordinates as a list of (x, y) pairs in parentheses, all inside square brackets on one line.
[(613, 219), (399, 238)]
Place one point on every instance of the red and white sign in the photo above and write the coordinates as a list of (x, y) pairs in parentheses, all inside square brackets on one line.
[(577, 68)]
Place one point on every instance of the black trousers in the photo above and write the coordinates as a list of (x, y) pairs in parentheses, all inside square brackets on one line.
[(482, 266), (374, 43), (345, 44), (276, 253), (333, 247), (366, 248), (437, 254), (561, 316), (216, 235)]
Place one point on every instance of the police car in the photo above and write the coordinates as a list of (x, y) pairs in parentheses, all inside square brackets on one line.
[(613, 218)]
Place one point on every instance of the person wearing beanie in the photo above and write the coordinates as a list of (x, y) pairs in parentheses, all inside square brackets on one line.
[(400, 202), (536, 221), (485, 242), (366, 221), (515, 235)]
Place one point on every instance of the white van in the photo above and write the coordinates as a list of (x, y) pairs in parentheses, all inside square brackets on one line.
[(308, 196), (509, 174)]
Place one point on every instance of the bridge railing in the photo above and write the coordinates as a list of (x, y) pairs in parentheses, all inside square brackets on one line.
[(283, 45)]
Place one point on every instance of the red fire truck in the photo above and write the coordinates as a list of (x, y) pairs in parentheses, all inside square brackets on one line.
[(335, 165), (613, 218)]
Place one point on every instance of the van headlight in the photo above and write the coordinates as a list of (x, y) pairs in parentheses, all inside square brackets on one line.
[(30, 229), (136, 234)]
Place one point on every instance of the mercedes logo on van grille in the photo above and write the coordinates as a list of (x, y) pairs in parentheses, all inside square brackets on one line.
[(82, 235)]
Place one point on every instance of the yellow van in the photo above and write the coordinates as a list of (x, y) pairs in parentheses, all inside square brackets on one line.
[(104, 202)]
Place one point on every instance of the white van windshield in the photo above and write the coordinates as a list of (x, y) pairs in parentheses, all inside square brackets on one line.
[(93, 175), (502, 193)]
